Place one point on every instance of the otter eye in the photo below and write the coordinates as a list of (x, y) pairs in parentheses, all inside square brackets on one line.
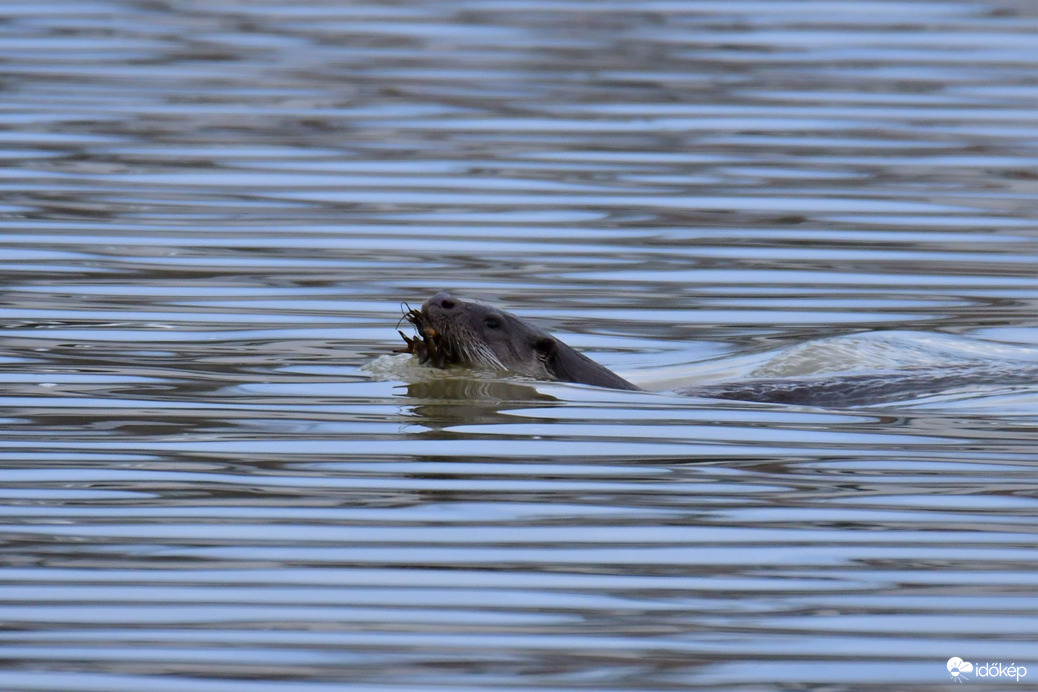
[(492, 322)]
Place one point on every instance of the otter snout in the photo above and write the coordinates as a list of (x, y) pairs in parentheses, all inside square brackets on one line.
[(442, 301)]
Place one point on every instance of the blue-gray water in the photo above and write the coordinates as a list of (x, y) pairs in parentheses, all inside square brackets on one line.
[(213, 478)]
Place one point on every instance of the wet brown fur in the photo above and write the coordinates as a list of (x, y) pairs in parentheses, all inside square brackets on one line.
[(450, 331)]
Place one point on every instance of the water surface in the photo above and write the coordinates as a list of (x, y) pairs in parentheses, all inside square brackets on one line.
[(210, 214)]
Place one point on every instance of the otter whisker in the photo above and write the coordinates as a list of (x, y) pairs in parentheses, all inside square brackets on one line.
[(478, 353)]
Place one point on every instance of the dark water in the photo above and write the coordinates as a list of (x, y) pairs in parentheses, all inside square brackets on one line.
[(213, 478)]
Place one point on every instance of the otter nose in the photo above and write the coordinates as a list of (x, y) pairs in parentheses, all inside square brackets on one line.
[(442, 300)]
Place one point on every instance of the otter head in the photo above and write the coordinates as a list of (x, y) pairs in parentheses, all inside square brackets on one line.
[(457, 332)]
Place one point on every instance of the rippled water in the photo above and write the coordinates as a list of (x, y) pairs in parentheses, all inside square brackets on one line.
[(211, 213)]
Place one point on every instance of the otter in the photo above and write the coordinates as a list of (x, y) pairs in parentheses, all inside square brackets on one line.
[(453, 332), (457, 332)]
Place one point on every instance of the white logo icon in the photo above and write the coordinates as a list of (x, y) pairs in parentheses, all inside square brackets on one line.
[(956, 666)]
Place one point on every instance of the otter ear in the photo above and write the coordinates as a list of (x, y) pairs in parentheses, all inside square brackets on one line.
[(558, 359), (546, 348)]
